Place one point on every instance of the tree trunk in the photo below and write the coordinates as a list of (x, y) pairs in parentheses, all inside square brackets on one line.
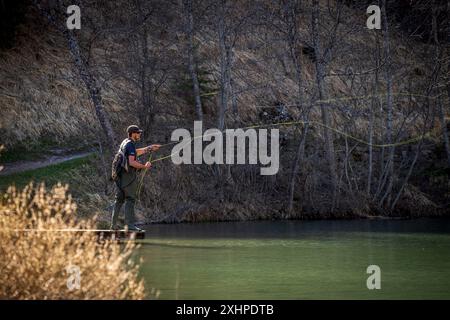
[(223, 66), (370, 168), (146, 87), (234, 105), (85, 75), (389, 107), (93, 89), (444, 121), (441, 107), (191, 58), (146, 110), (295, 168), (411, 168), (320, 72), (299, 155), (372, 114)]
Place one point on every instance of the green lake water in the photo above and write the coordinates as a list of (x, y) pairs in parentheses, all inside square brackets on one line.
[(298, 259)]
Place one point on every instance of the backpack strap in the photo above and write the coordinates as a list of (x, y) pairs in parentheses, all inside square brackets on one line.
[(124, 143), (122, 151)]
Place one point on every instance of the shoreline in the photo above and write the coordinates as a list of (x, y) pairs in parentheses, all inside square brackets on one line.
[(372, 218)]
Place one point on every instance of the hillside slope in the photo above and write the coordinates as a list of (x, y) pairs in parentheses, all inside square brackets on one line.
[(44, 103)]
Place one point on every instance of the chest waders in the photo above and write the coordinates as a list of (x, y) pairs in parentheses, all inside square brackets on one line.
[(126, 193)]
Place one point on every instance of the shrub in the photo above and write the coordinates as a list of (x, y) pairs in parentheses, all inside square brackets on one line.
[(38, 251)]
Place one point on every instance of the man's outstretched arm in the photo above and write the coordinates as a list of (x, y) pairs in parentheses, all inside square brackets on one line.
[(152, 147)]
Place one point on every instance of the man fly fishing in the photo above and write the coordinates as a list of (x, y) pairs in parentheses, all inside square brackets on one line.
[(124, 174)]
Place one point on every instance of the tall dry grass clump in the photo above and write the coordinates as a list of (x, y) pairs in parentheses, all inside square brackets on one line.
[(39, 262)]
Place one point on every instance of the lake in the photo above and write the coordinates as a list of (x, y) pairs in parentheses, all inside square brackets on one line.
[(298, 259)]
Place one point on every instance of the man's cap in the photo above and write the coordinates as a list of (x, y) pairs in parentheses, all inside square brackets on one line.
[(133, 128)]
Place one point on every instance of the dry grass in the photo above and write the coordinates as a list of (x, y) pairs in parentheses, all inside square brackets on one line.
[(41, 93), (35, 264)]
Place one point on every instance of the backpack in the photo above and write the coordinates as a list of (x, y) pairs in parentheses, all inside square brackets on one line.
[(120, 161)]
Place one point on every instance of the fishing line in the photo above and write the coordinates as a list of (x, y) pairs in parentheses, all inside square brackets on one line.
[(142, 178), (292, 123), (300, 122)]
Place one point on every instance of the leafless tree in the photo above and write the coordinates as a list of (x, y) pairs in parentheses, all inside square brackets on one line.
[(55, 15), (189, 17), (322, 59)]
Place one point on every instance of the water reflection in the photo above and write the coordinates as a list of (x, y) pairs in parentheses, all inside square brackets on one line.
[(298, 259)]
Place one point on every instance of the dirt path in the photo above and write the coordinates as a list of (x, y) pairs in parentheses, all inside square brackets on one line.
[(21, 166)]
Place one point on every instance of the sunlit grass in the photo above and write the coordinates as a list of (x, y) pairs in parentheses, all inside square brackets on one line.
[(61, 172)]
